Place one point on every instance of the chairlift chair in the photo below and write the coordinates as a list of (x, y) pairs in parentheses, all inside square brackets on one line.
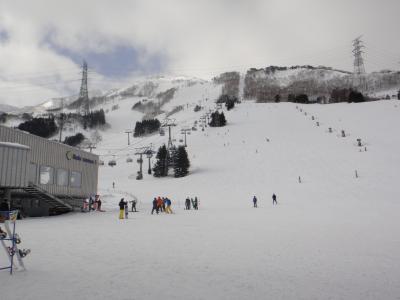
[(129, 160), (112, 163)]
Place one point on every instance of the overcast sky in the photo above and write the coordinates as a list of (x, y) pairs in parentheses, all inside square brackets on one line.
[(43, 42)]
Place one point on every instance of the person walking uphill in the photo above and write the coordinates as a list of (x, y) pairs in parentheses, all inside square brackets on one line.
[(254, 201), (274, 199), (121, 208)]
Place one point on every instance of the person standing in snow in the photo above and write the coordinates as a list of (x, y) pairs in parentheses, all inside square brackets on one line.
[(196, 203), (274, 199), (254, 201), (168, 203), (187, 203), (155, 206), (121, 208), (113, 185), (133, 205), (98, 203), (164, 203), (160, 203)]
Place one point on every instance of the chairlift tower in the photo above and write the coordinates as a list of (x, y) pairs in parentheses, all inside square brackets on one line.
[(169, 123), (185, 131), (140, 152), (128, 132)]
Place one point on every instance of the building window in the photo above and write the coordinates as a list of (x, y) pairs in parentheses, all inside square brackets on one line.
[(75, 179), (62, 177), (46, 175), (32, 172)]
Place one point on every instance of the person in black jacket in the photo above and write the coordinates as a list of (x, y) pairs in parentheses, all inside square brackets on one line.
[(121, 208), (254, 201), (187, 203), (274, 199), (155, 206)]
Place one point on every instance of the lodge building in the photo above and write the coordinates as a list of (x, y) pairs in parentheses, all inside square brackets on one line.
[(42, 177)]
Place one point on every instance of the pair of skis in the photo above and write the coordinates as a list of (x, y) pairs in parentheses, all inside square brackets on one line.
[(13, 249)]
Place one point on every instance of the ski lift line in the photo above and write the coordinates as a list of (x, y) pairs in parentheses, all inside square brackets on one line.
[(127, 147), (37, 85), (50, 72)]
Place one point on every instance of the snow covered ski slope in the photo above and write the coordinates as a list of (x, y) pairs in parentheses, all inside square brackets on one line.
[(332, 236)]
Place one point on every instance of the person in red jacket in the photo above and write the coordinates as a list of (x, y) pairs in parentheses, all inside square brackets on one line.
[(160, 204)]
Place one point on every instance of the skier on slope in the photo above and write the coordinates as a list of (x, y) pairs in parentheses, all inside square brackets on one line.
[(155, 207), (254, 201), (121, 208), (274, 199)]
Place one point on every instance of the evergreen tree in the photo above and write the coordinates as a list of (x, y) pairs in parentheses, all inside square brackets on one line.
[(222, 119), (74, 140), (229, 104), (43, 127), (355, 96), (161, 167), (181, 162)]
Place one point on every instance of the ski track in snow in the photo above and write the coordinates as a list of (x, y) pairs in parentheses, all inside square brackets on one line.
[(333, 236)]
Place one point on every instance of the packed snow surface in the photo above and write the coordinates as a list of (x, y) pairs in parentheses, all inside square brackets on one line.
[(332, 236)]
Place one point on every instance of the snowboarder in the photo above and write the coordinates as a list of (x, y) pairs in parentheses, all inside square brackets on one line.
[(133, 205), (254, 201), (192, 202), (187, 203), (196, 203), (126, 209), (274, 199), (121, 208), (155, 206)]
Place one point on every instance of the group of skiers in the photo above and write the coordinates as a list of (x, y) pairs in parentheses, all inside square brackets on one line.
[(274, 201), (189, 202), (92, 203), (123, 208), (162, 204)]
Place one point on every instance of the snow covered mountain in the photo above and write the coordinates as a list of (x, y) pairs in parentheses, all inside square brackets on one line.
[(7, 108), (333, 234)]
